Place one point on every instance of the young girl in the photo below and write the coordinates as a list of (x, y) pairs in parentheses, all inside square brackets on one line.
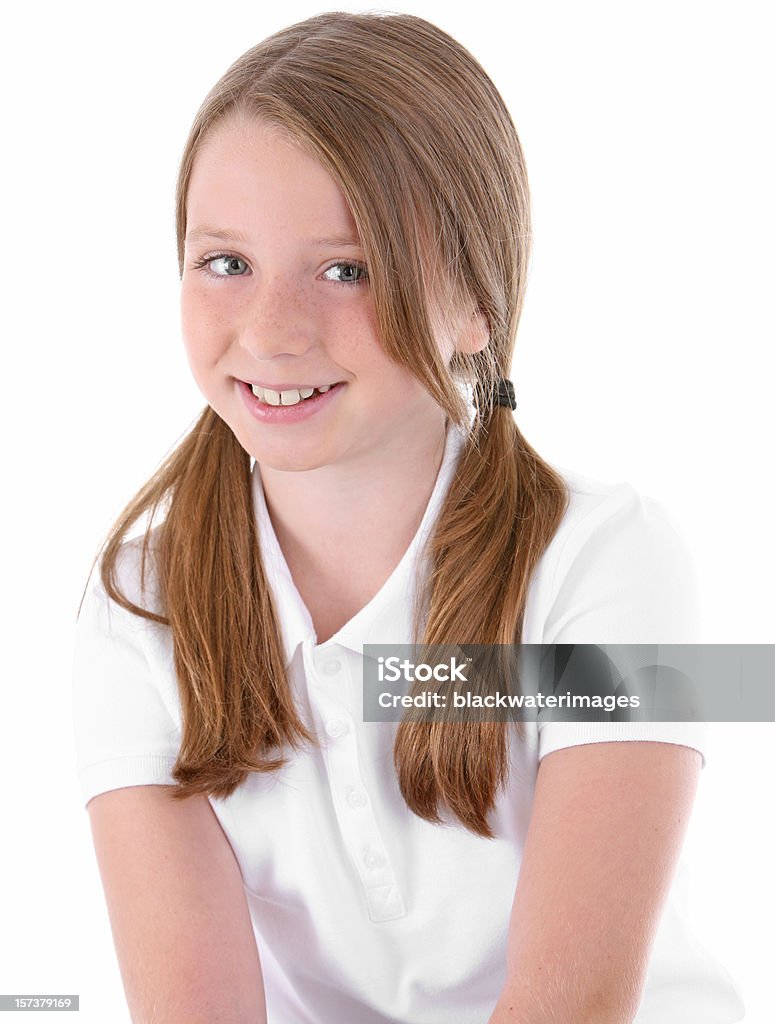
[(353, 234)]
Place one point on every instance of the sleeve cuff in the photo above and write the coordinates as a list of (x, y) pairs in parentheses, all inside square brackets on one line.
[(119, 772), (556, 735)]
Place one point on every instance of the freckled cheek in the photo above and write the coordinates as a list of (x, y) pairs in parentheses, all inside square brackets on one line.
[(355, 338)]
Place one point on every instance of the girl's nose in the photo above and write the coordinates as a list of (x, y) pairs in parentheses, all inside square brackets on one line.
[(277, 322)]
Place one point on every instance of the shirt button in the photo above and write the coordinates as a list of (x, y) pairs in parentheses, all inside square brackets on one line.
[(330, 668), (357, 798), (373, 859), (336, 727)]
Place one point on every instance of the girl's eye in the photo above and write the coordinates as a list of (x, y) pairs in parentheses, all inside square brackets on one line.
[(223, 265), (230, 265), (352, 269)]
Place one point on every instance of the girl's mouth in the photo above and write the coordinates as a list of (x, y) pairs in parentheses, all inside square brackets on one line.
[(288, 406), (291, 396)]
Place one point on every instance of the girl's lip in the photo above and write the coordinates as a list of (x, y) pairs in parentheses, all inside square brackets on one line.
[(288, 387), (303, 409)]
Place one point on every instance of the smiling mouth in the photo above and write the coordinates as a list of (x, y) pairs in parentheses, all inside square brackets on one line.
[(289, 396)]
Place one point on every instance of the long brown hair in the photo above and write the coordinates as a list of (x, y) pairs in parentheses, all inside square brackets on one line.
[(419, 140)]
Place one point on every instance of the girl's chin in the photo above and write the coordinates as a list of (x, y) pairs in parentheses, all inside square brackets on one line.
[(277, 454)]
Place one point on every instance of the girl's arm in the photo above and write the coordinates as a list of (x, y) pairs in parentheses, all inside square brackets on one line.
[(177, 908), (606, 830)]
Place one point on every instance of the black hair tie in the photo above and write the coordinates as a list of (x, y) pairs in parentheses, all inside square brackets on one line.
[(504, 394)]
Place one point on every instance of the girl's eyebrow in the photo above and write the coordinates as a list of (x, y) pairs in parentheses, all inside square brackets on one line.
[(227, 235), (337, 240)]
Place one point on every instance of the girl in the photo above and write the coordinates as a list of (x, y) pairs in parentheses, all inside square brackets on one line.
[(353, 233)]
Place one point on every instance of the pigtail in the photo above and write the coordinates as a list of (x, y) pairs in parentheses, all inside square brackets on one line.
[(237, 710), (503, 504)]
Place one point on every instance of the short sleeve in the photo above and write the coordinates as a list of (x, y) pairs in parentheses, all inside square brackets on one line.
[(124, 732), (625, 575)]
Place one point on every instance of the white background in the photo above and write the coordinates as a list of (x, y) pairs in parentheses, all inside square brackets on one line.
[(644, 355)]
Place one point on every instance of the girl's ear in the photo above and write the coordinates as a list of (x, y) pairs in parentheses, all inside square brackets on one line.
[(474, 333)]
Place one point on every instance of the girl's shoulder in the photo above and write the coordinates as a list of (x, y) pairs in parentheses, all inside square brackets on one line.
[(606, 510), (619, 569), (587, 492), (140, 589)]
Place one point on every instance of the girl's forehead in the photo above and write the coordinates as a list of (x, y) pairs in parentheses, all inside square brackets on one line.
[(241, 132), (243, 169)]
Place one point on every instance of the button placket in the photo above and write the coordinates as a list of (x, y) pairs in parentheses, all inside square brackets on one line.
[(352, 806), (374, 859), (336, 727), (362, 837), (385, 903), (357, 797)]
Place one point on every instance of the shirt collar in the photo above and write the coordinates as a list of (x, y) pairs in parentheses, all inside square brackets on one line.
[(387, 616)]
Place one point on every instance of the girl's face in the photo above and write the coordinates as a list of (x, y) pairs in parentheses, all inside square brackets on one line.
[(275, 292)]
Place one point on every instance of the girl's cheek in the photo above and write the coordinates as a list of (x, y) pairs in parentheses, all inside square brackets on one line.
[(198, 306), (212, 305), (204, 347)]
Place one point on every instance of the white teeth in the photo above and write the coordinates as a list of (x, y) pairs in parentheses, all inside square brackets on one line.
[(290, 397)]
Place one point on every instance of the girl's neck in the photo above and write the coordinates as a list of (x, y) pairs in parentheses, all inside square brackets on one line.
[(343, 533)]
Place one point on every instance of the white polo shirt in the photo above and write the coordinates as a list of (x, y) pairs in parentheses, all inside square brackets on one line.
[(363, 912)]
